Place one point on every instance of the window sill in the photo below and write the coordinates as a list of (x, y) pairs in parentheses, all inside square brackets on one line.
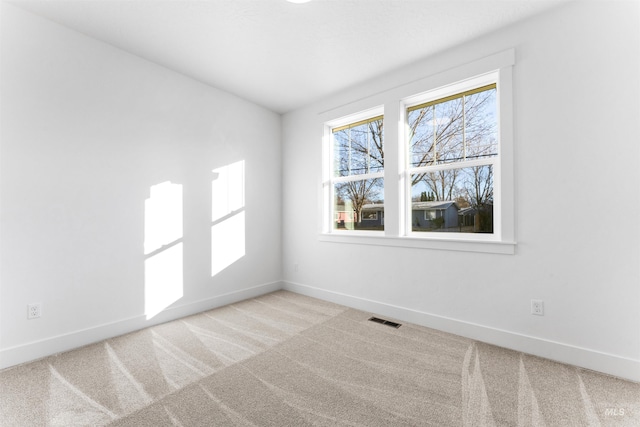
[(378, 239)]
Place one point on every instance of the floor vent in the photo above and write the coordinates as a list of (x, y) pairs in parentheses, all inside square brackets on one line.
[(385, 322)]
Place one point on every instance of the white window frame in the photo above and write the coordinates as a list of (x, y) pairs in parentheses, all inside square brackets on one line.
[(494, 161), (392, 102), (329, 180)]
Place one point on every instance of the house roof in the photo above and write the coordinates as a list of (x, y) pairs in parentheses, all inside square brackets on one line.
[(373, 207), (416, 206), (424, 206), (472, 210)]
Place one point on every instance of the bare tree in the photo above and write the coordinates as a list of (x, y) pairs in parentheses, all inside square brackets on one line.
[(435, 135), (360, 148), (479, 192), (449, 132), (359, 193), (376, 152), (479, 186), (442, 183)]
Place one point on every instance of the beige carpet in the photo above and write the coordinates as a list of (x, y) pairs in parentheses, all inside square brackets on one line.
[(288, 360)]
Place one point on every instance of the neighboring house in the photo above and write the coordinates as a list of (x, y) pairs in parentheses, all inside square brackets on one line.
[(373, 215), (425, 216), (480, 219), (343, 218), (434, 215)]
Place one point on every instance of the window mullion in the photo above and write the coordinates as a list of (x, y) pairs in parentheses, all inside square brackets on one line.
[(368, 151), (392, 168), (349, 139), (435, 135), (464, 128)]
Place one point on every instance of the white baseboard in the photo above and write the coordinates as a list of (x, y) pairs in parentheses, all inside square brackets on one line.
[(590, 359), (38, 349), (585, 358)]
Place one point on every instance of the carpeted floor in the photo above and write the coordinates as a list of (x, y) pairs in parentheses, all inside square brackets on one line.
[(284, 359)]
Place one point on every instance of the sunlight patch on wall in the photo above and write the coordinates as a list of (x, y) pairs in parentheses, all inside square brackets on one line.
[(227, 216), (163, 272), (227, 190), (163, 280), (162, 216), (227, 242)]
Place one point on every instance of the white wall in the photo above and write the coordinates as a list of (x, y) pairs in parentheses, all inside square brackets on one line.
[(87, 129), (577, 179)]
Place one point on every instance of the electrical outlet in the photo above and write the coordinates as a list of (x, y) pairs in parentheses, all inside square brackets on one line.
[(537, 307), (34, 310), (295, 267)]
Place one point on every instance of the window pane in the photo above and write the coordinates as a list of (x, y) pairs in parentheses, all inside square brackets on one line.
[(359, 205), (341, 148), (376, 146), (421, 136), (481, 130), (453, 130), (449, 130), (359, 149), (458, 200)]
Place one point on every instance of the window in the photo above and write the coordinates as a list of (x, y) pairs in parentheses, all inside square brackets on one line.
[(452, 151), (356, 177), (369, 215), (436, 171)]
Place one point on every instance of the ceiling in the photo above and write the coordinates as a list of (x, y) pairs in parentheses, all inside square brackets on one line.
[(282, 55)]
